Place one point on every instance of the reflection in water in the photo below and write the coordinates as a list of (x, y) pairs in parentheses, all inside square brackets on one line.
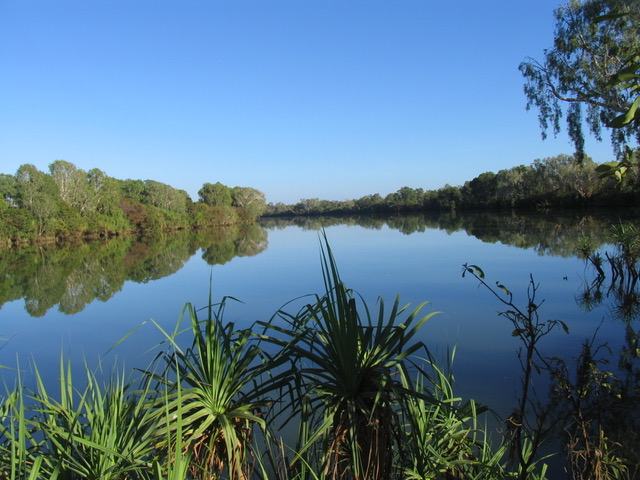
[(592, 410), (547, 234), (593, 403), (598, 400), (73, 276)]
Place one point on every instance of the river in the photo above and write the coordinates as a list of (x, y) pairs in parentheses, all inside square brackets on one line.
[(81, 300)]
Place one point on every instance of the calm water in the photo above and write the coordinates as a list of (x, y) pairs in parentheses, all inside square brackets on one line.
[(276, 263)]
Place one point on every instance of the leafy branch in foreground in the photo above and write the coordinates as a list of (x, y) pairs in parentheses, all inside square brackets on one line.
[(527, 427), (590, 67)]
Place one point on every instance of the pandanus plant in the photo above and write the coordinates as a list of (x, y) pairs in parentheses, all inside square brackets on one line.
[(96, 431), (344, 384), (19, 449), (215, 406)]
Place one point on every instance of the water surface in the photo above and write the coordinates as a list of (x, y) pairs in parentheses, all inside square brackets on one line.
[(82, 300)]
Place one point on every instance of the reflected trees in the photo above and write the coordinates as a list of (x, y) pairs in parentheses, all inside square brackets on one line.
[(73, 276)]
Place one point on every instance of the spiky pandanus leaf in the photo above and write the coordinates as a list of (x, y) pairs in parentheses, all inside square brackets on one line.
[(344, 373), (220, 400)]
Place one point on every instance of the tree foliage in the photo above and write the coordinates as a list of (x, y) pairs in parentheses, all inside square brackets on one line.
[(554, 182), (165, 196), (86, 192), (250, 199), (215, 195), (71, 202), (37, 193), (8, 190), (594, 41)]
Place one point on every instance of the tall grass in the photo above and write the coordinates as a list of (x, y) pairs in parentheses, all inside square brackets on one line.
[(176, 462), (443, 436)]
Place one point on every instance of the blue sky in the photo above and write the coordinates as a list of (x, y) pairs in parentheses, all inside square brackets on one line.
[(297, 98)]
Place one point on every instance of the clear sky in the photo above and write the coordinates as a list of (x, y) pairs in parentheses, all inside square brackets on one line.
[(334, 99)]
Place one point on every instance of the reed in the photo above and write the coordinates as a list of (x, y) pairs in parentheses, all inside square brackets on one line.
[(443, 437)]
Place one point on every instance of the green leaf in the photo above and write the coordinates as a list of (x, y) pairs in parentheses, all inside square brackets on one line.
[(610, 16), (517, 332), (608, 166), (627, 117), (626, 74), (564, 326), (503, 288), (607, 169), (477, 270)]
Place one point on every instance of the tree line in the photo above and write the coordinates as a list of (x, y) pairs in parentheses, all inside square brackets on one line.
[(590, 79), (68, 202), (556, 182)]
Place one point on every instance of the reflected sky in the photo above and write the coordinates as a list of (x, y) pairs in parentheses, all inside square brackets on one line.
[(421, 267)]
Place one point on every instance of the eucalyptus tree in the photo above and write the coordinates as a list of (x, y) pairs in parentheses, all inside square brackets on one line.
[(8, 190), (512, 185), (593, 41), (369, 202), (562, 179), (251, 199), (104, 191), (132, 189), (37, 193), (449, 197), (165, 196), (72, 185), (277, 208), (215, 195), (411, 197), (481, 191), (308, 206)]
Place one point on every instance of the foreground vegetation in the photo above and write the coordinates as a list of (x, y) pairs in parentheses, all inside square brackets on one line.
[(335, 390), (70, 203)]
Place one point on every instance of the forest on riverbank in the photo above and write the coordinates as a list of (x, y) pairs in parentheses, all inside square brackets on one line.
[(70, 203), (558, 182)]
